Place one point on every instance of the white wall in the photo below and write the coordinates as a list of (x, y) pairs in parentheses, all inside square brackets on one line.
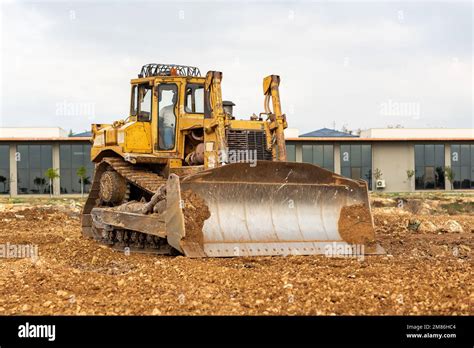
[(394, 159), (47, 132), (292, 133), (418, 133)]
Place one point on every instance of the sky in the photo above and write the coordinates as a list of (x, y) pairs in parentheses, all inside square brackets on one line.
[(353, 65)]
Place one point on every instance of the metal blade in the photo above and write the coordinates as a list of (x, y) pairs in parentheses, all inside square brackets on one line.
[(273, 208)]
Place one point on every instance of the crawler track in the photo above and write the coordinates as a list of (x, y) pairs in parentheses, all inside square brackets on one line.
[(144, 181)]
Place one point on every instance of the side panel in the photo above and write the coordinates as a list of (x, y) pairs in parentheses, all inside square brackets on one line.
[(136, 137)]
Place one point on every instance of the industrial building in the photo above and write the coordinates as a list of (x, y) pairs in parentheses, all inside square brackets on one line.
[(389, 159), (27, 153)]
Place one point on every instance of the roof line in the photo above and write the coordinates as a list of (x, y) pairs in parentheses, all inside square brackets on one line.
[(356, 139), (31, 127), (48, 139)]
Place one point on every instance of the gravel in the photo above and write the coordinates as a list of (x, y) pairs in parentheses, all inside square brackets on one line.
[(425, 272)]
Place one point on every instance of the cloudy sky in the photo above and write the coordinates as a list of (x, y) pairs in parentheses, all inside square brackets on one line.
[(352, 64)]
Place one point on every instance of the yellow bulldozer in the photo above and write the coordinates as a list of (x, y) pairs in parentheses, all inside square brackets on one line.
[(182, 175)]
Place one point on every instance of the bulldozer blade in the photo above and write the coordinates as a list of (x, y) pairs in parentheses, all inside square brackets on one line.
[(270, 208)]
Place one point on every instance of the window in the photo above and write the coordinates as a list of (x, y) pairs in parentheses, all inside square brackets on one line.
[(32, 163), (462, 165), (429, 167), (73, 157), (356, 162), (4, 169), (167, 100), (194, 99), (144, 103), (320, 155), (133, 99), (291, 153)]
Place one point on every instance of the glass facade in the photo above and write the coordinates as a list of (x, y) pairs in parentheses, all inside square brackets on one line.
[(291, 153), (4, 169), (429, 167), (356, 162), (462, 165), (71, 158), (320, 155), (32, 163), (33, 159)]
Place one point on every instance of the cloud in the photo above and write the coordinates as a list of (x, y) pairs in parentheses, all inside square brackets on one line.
[(337, 61)]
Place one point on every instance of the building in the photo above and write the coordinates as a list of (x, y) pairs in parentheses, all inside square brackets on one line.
[(403, 160), (27, 153), (400, 160)]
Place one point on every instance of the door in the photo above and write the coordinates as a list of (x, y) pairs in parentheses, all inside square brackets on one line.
[(167, 116)]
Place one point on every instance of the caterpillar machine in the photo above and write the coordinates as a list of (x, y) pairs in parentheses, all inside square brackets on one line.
[(182, 175)]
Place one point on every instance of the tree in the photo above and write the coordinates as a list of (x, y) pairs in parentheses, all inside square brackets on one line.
[(70, 133), (81, 173), (51, 174), (377, 174), (448, 171)]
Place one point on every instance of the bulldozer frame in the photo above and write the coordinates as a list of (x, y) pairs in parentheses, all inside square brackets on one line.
[(224, 188)]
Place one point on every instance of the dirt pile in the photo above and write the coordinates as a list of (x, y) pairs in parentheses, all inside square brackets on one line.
[(355, 225), (195, 213)]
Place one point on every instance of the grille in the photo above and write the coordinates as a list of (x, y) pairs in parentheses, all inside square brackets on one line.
[(249, 140)]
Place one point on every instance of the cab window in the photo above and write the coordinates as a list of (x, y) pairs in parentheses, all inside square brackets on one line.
[(144, 101), (194, 99)]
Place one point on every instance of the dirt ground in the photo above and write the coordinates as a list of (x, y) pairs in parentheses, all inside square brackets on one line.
[(427, 269)]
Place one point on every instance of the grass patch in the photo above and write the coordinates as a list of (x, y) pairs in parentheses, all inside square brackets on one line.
[(16, 200), (459, 208)]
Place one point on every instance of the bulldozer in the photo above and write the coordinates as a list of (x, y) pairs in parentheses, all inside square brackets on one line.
[(182, 175)]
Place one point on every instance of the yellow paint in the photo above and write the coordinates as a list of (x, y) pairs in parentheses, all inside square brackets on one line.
[(133, 138), (175, 163), (137, 136), (245, 124)]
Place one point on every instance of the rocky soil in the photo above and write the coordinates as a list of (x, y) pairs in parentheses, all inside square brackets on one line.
[(427, 270)]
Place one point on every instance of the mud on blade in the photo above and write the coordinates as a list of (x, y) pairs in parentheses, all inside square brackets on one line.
[(272, 208)]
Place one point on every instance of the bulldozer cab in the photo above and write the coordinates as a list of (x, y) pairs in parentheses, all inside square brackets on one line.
[(168, 103), (158, 103), (178, 119)]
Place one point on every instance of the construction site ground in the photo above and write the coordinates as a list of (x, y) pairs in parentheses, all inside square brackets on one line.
[(427, 269)]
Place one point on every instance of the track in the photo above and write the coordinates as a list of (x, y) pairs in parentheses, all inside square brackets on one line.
[(144, 180)]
